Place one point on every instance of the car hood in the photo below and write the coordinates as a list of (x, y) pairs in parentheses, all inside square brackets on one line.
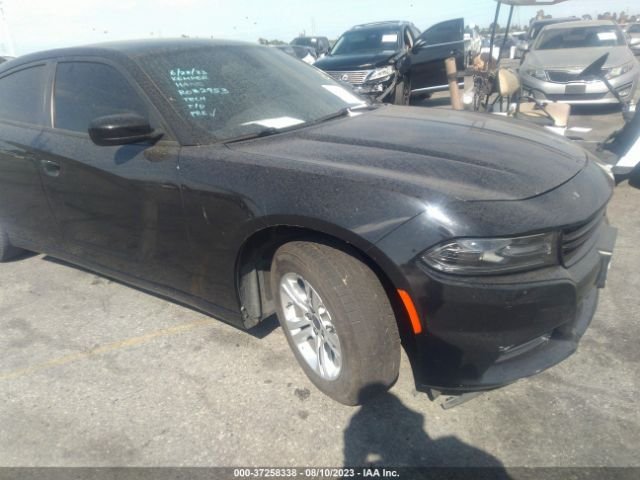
[(577, 58), (360, 61), (427, 152)]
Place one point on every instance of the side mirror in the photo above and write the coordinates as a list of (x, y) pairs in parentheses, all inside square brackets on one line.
[(122, 129)]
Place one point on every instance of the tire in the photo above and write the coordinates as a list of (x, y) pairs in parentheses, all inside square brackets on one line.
[(349, 310), (402, 92), (7, 251)]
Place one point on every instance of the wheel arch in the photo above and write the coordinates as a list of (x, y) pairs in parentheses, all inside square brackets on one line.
[(254, 258)]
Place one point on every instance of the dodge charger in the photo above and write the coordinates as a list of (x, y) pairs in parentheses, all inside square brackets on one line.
[(241, 182)]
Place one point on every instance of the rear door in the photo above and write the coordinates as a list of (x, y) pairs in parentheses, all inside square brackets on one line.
[(24, 211), (436, 44)]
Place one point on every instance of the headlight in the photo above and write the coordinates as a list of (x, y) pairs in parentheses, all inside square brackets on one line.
[(485, 256), (381, 73), (538, 73), (617, 71)]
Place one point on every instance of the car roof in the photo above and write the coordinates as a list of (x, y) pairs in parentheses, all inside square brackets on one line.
[(545, 21), (123, 49), (580, 23)]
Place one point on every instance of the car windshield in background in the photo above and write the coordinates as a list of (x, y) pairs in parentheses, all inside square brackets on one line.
[(634, 29), (365, 41), (305, 41), (231, 91), (580, 37)]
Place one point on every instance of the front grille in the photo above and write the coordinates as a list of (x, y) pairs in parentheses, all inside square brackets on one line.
[(562, 76), (579, 239), (354, 78)]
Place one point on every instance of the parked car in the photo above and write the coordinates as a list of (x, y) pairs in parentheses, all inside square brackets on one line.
[(306, 54), (472, 44), (390, 61), (505, 45), (521, 43), (242, 182), (486, 45), (633, 32), (534, 30), (562, 51), (320, 45)]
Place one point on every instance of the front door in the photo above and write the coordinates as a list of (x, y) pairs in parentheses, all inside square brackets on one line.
[(436, 44), (119, 206)]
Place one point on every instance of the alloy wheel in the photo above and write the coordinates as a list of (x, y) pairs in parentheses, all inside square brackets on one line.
[(310, 326)]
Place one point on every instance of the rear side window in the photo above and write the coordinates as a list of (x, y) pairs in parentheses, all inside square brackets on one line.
[(85, 91), (22, 96)]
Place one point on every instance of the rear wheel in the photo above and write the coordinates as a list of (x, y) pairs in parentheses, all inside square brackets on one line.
[(7, 251), (337, 319)]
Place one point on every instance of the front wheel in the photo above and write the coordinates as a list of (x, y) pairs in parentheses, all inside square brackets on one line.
[(337, 319), (402, 92)]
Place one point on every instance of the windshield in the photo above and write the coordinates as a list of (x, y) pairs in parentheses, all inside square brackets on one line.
[(535, 30), (366, 41), (634, 29), (580, 37), (235, 90)]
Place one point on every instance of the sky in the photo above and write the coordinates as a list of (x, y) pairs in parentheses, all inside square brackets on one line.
[(33, 25)]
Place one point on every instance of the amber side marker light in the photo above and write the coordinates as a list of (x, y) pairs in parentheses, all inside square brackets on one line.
[(411, 311)]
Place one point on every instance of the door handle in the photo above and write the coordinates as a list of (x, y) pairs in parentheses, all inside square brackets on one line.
[(50, 168)]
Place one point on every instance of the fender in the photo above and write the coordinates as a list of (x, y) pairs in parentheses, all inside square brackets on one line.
[(253, 260)]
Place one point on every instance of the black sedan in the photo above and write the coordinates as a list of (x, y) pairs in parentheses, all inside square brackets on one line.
[(242, 182)]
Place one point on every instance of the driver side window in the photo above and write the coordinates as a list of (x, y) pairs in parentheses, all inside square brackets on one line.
[(441, 33), (85, 91)]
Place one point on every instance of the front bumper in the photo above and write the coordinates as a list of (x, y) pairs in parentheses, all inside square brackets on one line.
[(479, 333), (484, 335), (576, 93), (376, 90)]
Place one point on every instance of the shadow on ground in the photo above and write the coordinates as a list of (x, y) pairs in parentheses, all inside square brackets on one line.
[(384, 432), (260, 331)]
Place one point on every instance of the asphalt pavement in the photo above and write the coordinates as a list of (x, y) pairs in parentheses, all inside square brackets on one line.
[(96, 373)]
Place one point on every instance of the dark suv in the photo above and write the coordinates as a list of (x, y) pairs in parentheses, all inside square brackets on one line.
[(321, 45), (390, 61)]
